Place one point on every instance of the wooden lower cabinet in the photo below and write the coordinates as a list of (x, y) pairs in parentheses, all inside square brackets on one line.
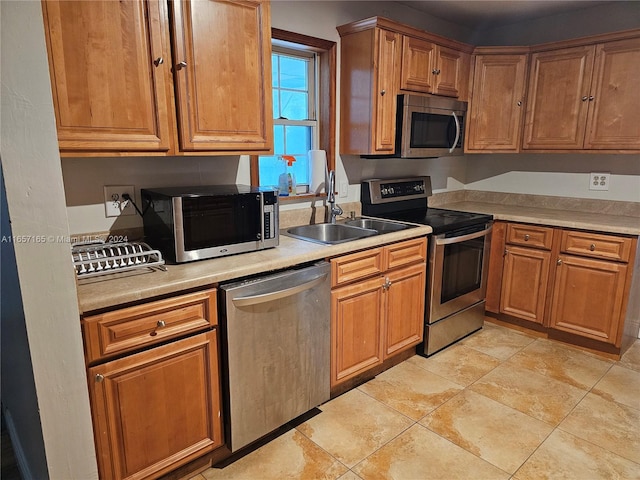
[(524, 283), (158, 409), (588, 297), (377, 315)]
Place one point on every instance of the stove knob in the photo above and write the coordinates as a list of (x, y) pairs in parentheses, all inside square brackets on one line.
[(391, 190), (384, 191)]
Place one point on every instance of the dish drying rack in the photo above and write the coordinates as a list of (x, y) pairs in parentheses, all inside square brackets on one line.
[(101, 258)]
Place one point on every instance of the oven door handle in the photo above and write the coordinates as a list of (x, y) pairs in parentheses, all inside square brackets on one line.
[(463, 238)]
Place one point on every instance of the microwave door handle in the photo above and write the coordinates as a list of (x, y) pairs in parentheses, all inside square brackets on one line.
[(455, 142)]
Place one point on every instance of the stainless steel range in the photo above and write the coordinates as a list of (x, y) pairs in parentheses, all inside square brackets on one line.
[(458, 257)]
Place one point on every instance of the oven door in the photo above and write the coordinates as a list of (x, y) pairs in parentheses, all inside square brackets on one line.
[(458, 267)]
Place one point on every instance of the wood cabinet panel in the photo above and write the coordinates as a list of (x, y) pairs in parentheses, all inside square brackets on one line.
[(588, 297), (224, 89), (530, 235), (132, 328), (385, 90), (356, 266), (497, 103), (558, 96), (596, 245), (613, 120), (405, 253), (156, 410), (496, 260), (452, 73), (356, 329), (524, 283), (418, 61), (405, 299), (108, 94)]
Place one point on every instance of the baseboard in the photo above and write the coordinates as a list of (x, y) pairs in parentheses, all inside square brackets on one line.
[(18, 451)]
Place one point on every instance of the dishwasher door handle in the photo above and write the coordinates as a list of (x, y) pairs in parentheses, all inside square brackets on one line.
[(286, 292)]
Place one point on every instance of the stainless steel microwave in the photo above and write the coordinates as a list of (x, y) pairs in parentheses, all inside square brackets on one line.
[(429, 126), (194, 223)]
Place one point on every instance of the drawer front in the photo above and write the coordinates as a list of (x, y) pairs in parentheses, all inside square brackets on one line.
[(405, 253), (530, 235), (131, 328), (596, 245), (356, 266)]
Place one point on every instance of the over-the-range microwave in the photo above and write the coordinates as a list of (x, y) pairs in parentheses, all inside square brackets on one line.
[(429, 126), (194, 223)]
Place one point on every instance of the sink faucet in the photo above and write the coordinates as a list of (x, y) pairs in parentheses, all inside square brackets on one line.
[(334, 209)]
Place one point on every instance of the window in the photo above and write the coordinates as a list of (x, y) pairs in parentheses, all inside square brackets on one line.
[(303, 86), (294, 114)]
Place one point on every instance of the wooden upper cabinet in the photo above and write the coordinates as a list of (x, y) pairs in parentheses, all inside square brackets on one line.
[(385, 89), (558, 98), (222, 58), (613, 120), (497, 107), (431, 68), (110, 67)]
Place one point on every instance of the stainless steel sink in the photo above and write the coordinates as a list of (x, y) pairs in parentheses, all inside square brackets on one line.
[(330, 233), (381, 226)]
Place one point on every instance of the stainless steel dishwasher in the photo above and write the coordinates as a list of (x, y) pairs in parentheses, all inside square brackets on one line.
[(277, 350)]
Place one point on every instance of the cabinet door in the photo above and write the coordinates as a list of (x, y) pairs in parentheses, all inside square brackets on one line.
[(110, 90), (418, 62), (158, 409), (524, 283), (222, 62), (614, 115), (385, 90), (558, 98), (588, 298), (356, 329), (497, 103), (405, 297), (451, 73)]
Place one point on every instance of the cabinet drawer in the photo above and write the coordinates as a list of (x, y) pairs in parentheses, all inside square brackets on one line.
[(356, 266), (596, 245), (405, 253), (131, 328), (530, 235)]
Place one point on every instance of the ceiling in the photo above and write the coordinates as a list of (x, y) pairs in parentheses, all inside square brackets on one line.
[(486, 13)]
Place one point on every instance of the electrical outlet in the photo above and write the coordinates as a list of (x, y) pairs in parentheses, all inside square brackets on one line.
[(114, 204), (599, 181), (344, 190)]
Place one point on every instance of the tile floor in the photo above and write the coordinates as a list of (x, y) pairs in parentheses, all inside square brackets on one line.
[(498, 405)]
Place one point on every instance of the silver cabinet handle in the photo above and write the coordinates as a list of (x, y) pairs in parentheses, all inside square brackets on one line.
[(387, 283), (99, 378), (181, 65), (559, 262), (585, 98), (519, 103), (161, 323), (591, 98), (592, 247), (158, 61), (526, 237)]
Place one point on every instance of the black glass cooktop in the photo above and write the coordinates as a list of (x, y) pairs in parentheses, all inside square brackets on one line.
[(440, 220)]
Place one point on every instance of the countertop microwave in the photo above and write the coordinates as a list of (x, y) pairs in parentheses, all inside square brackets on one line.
[(429, 126), (194, 223)]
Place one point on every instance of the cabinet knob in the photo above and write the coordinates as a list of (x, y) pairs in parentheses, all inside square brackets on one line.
[(387, 283), (383, 92), (585, 98), (559, 262), (592, 247), (519, 103), (158, 61), (99, 378), (436, 71), (591, 97), (526, 237), (161, 323), (181, 65)]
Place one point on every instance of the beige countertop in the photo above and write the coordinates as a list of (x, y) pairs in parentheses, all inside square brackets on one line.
[(601, 222), (108, 291)]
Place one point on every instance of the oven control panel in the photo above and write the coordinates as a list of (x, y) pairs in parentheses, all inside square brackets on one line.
[(382, 191)]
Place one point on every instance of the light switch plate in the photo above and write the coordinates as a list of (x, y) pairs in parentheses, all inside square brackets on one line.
[(599, 181)]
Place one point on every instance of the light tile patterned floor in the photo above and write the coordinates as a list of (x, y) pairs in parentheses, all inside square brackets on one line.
[(498, 405)]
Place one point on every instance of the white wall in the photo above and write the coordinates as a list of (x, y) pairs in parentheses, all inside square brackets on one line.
[(35, 199)]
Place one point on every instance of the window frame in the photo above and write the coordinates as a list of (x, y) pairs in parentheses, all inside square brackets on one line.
[(326, 52)]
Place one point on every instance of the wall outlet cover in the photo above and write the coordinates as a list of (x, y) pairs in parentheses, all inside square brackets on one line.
[(599, 181), (114, 204)]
